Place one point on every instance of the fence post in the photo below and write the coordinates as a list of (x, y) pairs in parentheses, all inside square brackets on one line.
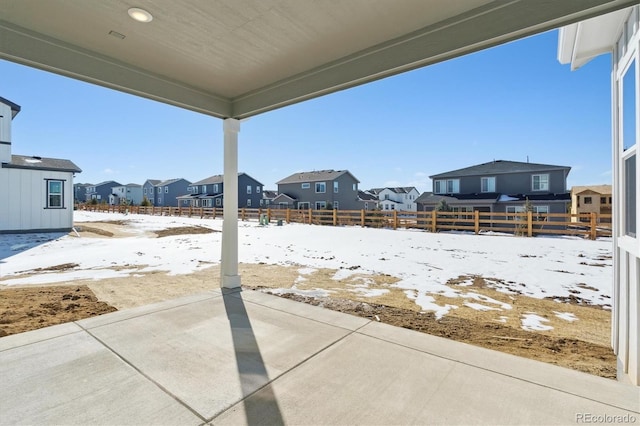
[(476, 222), (529, 224), (288, 216), (395, 219), (362, 218), (190, 210), (310, 216), (269, 214), (594, 229), (242, 214), (335, 217), (434, 220), (153, 210)]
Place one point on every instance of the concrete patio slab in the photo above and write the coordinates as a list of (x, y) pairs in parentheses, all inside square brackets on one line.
[(252, 358)]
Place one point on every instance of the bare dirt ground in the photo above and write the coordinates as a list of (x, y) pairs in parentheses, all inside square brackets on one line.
[(581, 345)]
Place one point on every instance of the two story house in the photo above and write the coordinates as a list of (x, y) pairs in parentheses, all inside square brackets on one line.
[(130, 194), (591, 199), (100, 191), (500, 186), (209, 192), (398, 198), (80, 192), (36, 193), (324, 189), (267, 197), (164, 193)]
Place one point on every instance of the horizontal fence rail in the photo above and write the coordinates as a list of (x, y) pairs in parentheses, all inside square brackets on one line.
[(528, 224)]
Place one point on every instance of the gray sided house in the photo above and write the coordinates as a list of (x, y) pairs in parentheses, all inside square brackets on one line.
[(209, 192), (149, 190), (267, 197), (501, 186), (130, 194), (100, 191), (80, 192), (167, 192), (318, 190)]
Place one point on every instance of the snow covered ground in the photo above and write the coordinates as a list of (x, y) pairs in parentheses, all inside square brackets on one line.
[(538, 267)]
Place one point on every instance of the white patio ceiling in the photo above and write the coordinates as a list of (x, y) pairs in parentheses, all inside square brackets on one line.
[(238, 58)]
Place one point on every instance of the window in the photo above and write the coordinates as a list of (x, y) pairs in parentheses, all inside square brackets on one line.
[(463, 209), (578, 200), (215, 188), (366, 205), (248, 189), (160, 200), (248, 202), (257, 189), (321, 205), (447, 186), (630, 196), (54, 194), (335, 187), (603, 200), (159, 189), (355, 186), (262, 202), (336, 205), (321, 187), (488, 184), (306, 185), (204, 189), (588, 200), (218, 201), (166, 189), (304, 205), (144, 191), (540, 182)]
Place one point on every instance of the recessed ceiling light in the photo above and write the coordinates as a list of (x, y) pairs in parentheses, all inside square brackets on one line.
[(140, 15)]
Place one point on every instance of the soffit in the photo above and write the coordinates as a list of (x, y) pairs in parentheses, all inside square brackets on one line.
[(237, 58)]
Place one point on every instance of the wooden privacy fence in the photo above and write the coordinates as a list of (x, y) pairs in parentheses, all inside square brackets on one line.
[(529, 224)]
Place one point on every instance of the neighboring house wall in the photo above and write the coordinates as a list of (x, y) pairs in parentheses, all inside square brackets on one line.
[(168, 191), (209, 192), (591, 199), (323, 189), (101, 191), (149, 190), (131, 194), (404, 197), (26, 208), (80, 192)]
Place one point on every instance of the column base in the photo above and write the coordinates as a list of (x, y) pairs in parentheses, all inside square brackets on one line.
[(230, 281)]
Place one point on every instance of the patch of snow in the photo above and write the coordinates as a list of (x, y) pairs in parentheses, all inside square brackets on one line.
[(307, 271), (32, 160), (502, 319), (533, 322), (483, 298), (567, 316), (318, 292), (504, 197), (479, 307)]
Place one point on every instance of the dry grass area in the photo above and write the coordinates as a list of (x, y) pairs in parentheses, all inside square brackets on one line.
[(581, 344)]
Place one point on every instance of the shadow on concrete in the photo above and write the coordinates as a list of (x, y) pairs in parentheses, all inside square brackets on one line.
[(252, 371), (12, 244)]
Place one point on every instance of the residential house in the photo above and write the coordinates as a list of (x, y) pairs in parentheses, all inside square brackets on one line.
[(209, 192), (149, 190), (617, 35), (80, 192), (100, 191), (36, 193), (267, 197), (130, 194), (164, 193), (367, 200), (399, 198), (591, 199), (337, 189), (500, 186)]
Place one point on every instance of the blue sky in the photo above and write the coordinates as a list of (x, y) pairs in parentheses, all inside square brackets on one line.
[(508, 102)]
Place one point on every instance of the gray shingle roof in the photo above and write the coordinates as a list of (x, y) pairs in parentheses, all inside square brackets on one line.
[(169, 182), (218, 179), (397, 190), (41, 163), (315, 176), (366, 196), (267, 193), (153, 182), (499, 167)]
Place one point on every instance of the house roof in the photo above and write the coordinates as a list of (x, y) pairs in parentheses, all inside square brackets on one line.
[(269, 194), (264, 55), (41, 163), (397, 190), (153, 182), (600, 189), (315, 176), (499, 167), (170, 181), (284, 196), (111, 183), (366, 196), (218, 179), (15, 108)]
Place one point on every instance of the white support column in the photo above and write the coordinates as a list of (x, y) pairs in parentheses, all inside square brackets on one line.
[(229, 266)]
